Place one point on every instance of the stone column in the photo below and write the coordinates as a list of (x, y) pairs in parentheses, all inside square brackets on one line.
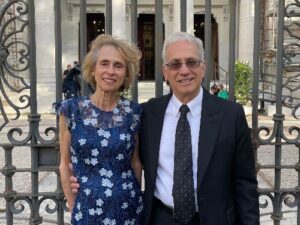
[(246, 28), (45, 49), (189, 13), (176, 11), (190, 16), (119, 19)]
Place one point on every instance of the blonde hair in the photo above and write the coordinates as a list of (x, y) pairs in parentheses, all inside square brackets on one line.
[(131, 53)]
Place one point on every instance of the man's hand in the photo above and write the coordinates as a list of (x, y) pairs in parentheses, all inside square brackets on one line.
[(73, 181)]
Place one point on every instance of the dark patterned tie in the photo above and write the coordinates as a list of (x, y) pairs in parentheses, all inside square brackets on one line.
[(183, 183)]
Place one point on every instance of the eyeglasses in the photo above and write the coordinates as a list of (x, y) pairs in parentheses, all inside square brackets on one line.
[(190, 63)]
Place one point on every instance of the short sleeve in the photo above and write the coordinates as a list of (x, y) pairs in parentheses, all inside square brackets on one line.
[(65, 108), (136, 117)]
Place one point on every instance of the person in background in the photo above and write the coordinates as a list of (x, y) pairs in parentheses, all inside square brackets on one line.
[(222, 93), (98, 135), (66, 71), (76, 70), (71, 83), (214, 89)]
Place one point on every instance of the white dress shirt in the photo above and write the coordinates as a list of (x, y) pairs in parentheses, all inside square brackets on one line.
[(165, 169)]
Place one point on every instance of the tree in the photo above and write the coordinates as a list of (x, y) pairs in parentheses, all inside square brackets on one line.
[(243, 82)]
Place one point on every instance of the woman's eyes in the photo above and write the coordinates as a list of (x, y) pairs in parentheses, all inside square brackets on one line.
[(116, 65)]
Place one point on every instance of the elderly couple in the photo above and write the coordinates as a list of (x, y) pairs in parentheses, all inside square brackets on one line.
[(195, 149)]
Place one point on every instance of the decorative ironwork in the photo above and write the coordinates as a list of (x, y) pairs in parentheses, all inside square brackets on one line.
[(18, 64), (33, 132), (18, 78), (278, 130), (292, 52), (13, 23), (287, 86)]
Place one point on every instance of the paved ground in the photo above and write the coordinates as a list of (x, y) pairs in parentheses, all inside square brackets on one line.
[(47, 180)]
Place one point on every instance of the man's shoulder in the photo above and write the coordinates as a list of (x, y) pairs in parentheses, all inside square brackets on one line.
[(152, 102), (224, 105)]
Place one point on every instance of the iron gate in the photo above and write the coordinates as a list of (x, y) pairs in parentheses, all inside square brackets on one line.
[(18, 77)]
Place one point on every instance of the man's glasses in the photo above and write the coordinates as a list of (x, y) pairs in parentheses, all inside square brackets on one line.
[(190, 63)]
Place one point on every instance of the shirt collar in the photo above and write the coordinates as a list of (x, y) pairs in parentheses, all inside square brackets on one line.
[(195, 105)]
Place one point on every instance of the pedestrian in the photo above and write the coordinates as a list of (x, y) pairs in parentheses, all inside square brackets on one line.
[(98, 135), (214, 89), (66, 71), (71, 83), (76, 70), (222, 93)]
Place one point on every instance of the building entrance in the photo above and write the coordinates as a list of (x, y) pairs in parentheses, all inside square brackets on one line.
[(146, 42), (199, 28), (95, 23)]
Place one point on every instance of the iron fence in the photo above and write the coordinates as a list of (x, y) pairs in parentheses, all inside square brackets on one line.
[(19, 45)]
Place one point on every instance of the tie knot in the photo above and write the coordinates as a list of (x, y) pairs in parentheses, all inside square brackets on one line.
[(184, 109)]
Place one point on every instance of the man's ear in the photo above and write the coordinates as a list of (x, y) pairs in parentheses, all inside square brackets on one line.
[(204, 66), (163, 70)]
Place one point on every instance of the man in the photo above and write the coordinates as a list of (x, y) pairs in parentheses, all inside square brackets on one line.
[(222, 92), (223, 170), (66, 71), (76, 71), (71, 83), (198, 162)]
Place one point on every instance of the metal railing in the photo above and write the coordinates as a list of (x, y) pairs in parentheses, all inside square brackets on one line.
[(44, 148)]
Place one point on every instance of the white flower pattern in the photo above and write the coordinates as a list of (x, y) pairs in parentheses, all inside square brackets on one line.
[(95, 152), (74, 159), (122, 137), (108, 192), (82, 141), (94, 161), (84, 179), (106, 173), (104, 143), (120, 157), (99, 202), (108, 221), (78, 216), (87, 191), (107, 183)]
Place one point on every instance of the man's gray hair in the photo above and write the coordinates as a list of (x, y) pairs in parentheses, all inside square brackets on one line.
[(182, 36)]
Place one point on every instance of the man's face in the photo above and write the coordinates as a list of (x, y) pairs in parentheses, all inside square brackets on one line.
[(186, 80)]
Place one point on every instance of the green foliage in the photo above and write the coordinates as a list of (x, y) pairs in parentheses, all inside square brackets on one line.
[(243, 82)]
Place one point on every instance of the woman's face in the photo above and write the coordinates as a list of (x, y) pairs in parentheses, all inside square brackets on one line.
[(110, 69)]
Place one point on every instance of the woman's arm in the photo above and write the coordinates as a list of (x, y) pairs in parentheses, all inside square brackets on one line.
[(135, 161), (65, 141)]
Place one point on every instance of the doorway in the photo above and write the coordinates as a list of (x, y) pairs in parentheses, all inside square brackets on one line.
[(199, 28), (146, 42), (95, 24)]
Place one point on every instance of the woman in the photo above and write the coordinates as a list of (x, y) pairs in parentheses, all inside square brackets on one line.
[(98, 134)]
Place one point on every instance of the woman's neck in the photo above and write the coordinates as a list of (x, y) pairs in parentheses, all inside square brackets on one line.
[(104, 100)]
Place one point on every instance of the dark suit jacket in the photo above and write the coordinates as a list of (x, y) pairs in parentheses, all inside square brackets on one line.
[(227, 185)]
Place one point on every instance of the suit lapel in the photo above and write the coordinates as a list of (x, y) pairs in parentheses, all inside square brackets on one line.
[(157, 120), (210, 121)]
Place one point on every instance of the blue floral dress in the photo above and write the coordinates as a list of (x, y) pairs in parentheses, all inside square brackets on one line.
[(102, 144)]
